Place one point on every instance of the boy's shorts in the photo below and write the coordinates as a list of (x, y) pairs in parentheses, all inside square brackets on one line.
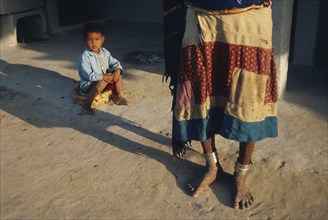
[(80, 96)]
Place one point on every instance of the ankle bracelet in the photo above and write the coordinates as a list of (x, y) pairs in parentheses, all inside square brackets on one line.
[(211, 158), (240, 168)]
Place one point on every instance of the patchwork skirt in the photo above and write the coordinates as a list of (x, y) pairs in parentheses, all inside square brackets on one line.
[(227, 79)]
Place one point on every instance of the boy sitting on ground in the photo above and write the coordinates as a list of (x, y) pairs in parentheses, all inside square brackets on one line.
[(97, 68)]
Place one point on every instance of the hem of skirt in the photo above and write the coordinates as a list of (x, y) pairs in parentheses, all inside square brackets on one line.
[(226, 126)]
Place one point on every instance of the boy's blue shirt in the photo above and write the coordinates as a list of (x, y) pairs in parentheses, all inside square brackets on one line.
[(90, 68)]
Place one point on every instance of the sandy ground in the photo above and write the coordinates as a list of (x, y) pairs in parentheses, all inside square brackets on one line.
[(59, 164)]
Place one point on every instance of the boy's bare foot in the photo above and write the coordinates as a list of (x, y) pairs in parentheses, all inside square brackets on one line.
[(120, 100), (87, 110)]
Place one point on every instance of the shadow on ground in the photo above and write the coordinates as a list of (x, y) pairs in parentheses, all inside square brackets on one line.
[(42, 98)]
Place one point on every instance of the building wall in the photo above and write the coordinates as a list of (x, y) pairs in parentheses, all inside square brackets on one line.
[(10, 14), (11, 6), (282, 12)]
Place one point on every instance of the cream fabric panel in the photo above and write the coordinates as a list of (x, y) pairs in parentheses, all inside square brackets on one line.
[(249, 28)]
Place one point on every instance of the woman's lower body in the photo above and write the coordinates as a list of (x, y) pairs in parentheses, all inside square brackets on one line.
[(227, 85)]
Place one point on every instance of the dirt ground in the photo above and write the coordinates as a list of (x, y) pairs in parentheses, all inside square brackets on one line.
[(57, 163)]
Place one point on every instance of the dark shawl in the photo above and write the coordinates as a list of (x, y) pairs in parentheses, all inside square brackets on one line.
[(174, 26)]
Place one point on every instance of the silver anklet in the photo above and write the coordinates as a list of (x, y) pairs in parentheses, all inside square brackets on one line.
[(240, 168), (211, 158)]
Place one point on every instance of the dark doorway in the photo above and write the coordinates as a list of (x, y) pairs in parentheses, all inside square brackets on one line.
[(30, 29), (76, 11), (321, 47), (293, 30)]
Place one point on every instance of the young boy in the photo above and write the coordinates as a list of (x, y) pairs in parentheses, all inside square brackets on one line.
[(97, 68)]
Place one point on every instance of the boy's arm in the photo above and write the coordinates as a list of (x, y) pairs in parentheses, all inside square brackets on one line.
[(86, 72), (113, 63)]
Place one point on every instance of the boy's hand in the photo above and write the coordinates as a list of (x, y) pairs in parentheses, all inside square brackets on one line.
[(108, 77), (113, 77), (117, 75)]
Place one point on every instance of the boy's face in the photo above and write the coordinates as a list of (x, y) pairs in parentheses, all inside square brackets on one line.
[(94, 41)]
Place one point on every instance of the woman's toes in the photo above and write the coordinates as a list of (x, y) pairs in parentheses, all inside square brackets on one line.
[(199, 191), (236, 205), (191, 187)]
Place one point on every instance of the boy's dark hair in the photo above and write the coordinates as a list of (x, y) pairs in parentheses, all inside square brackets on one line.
[(92, 27)]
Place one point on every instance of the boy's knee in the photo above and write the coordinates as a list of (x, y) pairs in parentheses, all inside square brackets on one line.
[(100, 86), (119, 78)]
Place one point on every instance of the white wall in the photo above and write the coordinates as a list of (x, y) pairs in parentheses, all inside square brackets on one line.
[(282, 14)]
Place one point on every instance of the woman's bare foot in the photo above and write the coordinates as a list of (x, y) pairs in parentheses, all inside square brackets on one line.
[(209, 177), (214, 172), (241, 194)]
